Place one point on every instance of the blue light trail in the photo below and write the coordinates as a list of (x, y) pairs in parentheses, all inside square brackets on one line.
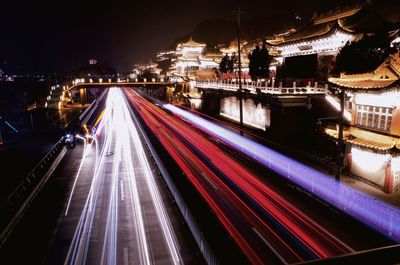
[(375, 213)]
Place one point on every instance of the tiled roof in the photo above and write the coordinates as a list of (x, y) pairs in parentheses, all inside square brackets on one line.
[(310, 31), (362, 84), (367, 139), (357, 20), (386, 75), (192, 43)]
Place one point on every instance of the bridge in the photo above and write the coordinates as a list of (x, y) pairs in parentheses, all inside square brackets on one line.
[(294, 95), (62, 94), (119, 84)]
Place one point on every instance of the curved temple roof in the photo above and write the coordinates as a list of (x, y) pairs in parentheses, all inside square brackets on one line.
[(385, 76), (356, 20)]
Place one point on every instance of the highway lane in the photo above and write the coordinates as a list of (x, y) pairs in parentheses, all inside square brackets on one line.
[(106, 203), (296, 237), (123, 220)]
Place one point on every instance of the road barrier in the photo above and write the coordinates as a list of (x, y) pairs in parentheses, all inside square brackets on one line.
[(15, 205)]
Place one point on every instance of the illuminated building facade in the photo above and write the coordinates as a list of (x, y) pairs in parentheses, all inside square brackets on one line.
[(190, 59), (374, 131), (313, 48), (256, 115), (140, 69)]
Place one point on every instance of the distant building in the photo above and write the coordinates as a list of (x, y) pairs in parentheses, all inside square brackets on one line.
[(374, 131), (149, 69), (190, 60)]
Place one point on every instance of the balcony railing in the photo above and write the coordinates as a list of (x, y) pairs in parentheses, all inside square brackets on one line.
[(269, 87)]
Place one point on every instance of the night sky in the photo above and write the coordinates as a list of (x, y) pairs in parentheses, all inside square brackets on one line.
[(38, 36)]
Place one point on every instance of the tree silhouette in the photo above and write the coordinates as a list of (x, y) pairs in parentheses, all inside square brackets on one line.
[(223, 65), (164, 65), (228, 63), (260, 59), (364, 55), (253, 62), (264, 61), (233, 62)]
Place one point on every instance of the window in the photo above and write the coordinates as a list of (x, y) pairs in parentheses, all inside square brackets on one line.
[(379, 118), (376, 121), (382, 122), (370, 119)]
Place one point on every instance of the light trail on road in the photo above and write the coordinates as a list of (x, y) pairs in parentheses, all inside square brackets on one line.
[(267, 228), (113, 215), (375, 213)]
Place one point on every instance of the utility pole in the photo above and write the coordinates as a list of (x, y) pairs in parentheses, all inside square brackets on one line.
[(339, 151), (238, 12)]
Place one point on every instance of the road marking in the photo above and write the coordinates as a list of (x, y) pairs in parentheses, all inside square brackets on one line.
[(121, 183), (269, 246), (126, 260)]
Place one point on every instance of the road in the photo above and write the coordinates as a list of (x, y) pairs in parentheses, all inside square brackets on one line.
[(124, 219), (267, 226), (116, 208)]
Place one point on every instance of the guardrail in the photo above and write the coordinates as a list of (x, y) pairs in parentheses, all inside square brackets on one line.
[(264, 87), (13, 207)]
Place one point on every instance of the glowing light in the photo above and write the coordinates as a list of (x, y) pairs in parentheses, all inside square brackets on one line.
[(375, 213), (332, 44), (369, 165), (388, 100), (122, 140), (195, 103), (257, 116), (336, 105)]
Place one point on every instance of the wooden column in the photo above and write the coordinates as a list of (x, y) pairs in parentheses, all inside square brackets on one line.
[(388, 186)]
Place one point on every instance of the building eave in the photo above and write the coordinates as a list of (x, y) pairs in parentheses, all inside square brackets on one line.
[(374, 141)]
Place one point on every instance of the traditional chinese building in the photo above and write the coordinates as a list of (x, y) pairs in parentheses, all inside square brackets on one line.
[(313, 48), (190, 59), (374, 130), (232, 49)]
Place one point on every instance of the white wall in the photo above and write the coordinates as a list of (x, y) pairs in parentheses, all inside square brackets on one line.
[(255, 115), (369, 165)]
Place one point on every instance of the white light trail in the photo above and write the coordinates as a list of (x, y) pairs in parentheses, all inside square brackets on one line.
[(154, 192), (122, 141)]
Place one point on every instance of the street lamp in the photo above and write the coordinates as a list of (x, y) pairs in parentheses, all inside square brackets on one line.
[(238, 12)]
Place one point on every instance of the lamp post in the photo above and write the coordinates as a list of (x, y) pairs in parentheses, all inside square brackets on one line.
[(339, 151), (238, 12)]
